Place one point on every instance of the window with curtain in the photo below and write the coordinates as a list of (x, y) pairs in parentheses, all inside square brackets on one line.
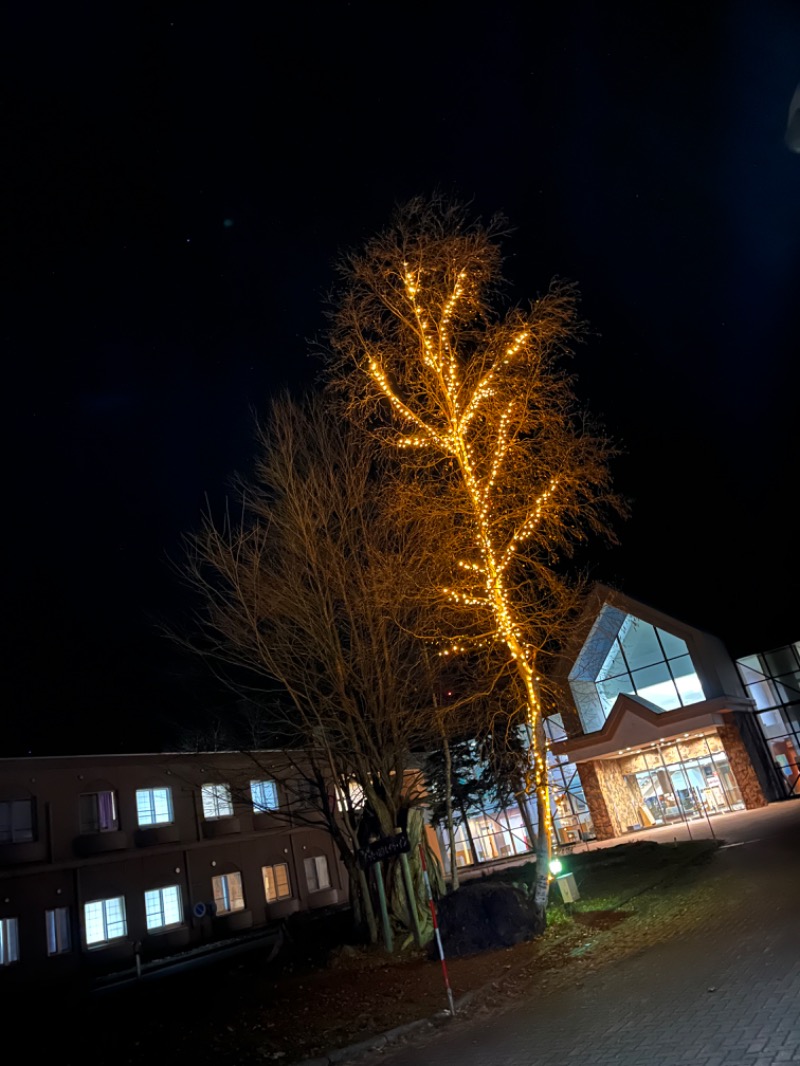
[(228, 894), (57, 930), (317, 873), (276, 882), (98, 812), (9, 941)]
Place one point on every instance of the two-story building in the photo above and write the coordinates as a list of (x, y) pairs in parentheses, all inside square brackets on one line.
[(103, 858)]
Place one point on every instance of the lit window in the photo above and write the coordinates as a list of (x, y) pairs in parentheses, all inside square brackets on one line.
[(276, 882), (9, 941), (105, 920), (16, 821), (217, 801), (228, 895), (154, 806), (265, 795), (624, 655), (317, 876), (163, 907), (59, 936), (98, 812), (355, 797)]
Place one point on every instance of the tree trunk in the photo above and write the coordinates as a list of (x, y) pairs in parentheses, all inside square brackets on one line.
[(451, 833), (368, 909), (542, 885), (396, 890)]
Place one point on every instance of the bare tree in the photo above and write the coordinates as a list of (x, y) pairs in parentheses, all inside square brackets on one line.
[(498, 452), (314, 587)]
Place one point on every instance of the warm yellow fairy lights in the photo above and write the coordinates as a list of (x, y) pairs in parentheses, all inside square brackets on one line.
[(481, 462)]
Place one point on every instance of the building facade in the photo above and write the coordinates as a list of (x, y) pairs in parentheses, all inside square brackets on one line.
[(658, 726), (661, 726), (772, 681), (103, 858)]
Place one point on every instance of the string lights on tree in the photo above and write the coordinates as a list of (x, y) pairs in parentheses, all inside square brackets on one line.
[(491, 438)]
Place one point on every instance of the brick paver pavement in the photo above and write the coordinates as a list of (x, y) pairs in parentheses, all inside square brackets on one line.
[(726, 995)]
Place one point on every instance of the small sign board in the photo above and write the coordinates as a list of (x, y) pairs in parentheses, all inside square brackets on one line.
[(385, 848)]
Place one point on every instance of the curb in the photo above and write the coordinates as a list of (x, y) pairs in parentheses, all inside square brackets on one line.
[(383, 1039), (375, 1043)]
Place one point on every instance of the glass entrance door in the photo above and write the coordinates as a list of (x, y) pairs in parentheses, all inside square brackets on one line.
[(682, 781)]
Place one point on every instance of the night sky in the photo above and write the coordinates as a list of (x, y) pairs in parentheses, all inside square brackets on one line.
[(178, 182)]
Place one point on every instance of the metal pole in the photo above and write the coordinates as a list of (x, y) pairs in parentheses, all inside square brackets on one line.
[(387, 928), (436, 931), (677, 798)]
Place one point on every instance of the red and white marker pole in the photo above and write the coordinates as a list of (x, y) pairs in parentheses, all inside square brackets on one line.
[(436, 930)]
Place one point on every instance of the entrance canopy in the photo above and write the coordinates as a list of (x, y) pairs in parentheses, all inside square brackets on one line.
[(634, 723)]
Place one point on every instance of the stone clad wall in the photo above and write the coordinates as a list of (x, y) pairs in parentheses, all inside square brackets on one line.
[(622, 808), (613, 808), (742, 767), (596, 802)]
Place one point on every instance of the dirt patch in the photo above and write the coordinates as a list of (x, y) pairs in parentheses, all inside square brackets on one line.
[(600, 919)]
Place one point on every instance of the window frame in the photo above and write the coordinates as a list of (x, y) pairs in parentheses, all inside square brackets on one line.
[(163, 926), (316, 860), (270, 871), (260, 783), (223, 879), (58, 931), (9, 941), (215, 791), (16, 834), (94, 827), (106, 940), (153, 807)]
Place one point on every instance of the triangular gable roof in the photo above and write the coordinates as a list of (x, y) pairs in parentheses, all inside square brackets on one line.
[(600, 596), (709, 657)]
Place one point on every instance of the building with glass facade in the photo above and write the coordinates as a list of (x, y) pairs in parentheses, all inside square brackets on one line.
[(772, 681), (659, 725), (664, 727)]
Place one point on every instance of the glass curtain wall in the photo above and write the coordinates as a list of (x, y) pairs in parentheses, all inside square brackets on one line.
[(623, 654), (572, 821), (487, 835), (772, 681)]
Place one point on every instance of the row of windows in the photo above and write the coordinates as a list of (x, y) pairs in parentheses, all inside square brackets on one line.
[(57, 933), (98, 811), (105, 920)]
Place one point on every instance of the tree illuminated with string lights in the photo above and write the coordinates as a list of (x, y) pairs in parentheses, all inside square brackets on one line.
[(474, 397)]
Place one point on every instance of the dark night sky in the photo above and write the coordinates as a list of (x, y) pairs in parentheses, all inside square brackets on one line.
[(637, 149)]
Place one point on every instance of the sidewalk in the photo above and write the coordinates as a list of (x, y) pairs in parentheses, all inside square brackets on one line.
[(726, 994)]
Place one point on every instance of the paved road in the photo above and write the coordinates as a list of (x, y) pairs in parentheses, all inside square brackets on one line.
[(726, 996)]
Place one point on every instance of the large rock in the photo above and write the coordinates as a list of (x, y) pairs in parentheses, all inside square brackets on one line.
[(483, 917)]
